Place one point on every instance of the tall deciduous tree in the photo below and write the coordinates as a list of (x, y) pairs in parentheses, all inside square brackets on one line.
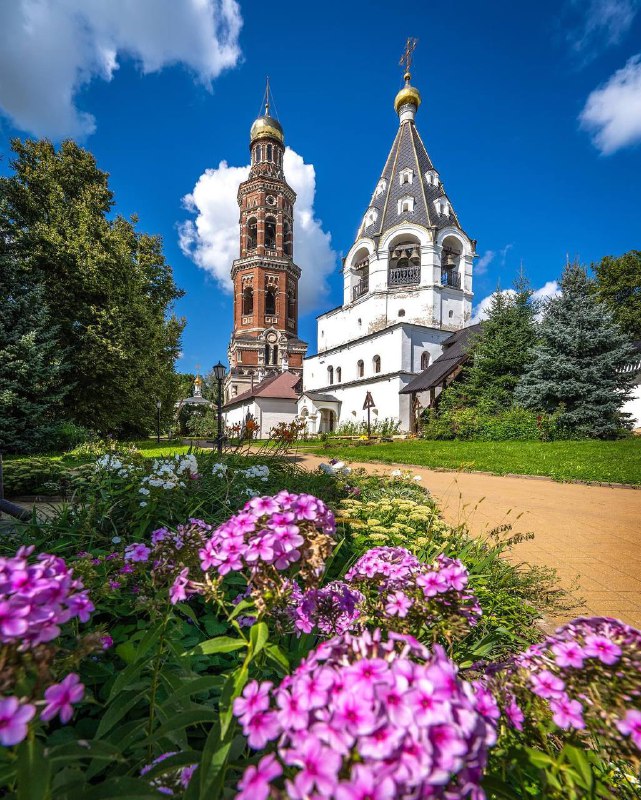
[(32, 380), (618, 286), (109, 285), (577, 368)]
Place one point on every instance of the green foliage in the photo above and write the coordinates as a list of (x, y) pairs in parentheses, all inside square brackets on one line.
[(498, 355), (516, 423), (618, 286), (109, 285), (379, 427), (33, 382), (577, 369)]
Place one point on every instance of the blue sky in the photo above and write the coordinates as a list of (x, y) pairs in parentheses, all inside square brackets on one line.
[(531, 113)]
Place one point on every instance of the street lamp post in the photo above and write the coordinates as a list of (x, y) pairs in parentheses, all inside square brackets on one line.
[(158, 407), (219, 373)]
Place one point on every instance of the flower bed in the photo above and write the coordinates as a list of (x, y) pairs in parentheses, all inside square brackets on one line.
[(194, 629)]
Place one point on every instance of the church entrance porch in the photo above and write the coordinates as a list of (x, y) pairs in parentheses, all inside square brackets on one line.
[(327, 421)]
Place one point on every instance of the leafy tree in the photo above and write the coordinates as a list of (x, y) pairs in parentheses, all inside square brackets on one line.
[(109, 285), (499, 354), (32, 380), (577, 366), (618, 286)]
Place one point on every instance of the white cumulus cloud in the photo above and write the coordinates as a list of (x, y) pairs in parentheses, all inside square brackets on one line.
[(212, 239), (481, 311), (50, 49), (612, 113)]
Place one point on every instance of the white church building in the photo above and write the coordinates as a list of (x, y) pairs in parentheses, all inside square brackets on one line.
[(407, 285)]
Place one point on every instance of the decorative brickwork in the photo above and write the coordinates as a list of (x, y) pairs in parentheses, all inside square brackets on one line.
[(265, 277)]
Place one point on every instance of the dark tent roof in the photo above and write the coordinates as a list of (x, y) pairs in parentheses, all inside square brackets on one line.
[(455, 353)]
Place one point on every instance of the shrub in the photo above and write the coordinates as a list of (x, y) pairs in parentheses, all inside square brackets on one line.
[(516, 424), (67, 435)]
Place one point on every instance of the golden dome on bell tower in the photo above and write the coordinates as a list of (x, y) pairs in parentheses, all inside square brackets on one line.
[(266, 126), (408, 94)]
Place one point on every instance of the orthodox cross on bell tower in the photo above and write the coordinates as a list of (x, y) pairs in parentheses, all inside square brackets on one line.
[(408, 56)]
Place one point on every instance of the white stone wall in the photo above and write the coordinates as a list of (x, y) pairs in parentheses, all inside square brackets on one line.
[(633, 405), (272, 411), (400, 350)]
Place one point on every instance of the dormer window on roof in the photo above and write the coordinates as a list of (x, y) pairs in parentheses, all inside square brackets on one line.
[(406, 204), (431, 177), (442, 207), (406, 175), (371, 216), (380, 187)]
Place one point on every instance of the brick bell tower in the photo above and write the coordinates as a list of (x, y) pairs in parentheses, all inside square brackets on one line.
[(265, 336)]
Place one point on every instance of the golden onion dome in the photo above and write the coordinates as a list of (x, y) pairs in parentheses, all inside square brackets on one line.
[(266, 127), (408, 94)]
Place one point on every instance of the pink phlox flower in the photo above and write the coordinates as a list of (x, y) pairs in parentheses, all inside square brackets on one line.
[(381, 743), (255, 697), (485, 702), (364, 784), (159, 535), (61, 696), (630, 725), (260, 728), (567, 713), (291, 715), (178, 590), (514, 714), (13, 620), (137, 552), (365, 673), (602, 648), (81, 606), (546, 684), (314, 689), (14, 720), (432, 583), (254, 785), (355, 713), (319, 767), (396, 707), (448, 746), (263, 505), (568, 654), (398, 604)]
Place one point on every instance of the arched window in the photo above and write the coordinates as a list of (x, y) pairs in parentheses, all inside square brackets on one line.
[(271, 354), (248, 301), (360, 368), (376, 363), (338, 375), (405, 263), (252, 233), (269, 152), (330, 375), (287, 239), (291, 304), (270, 301), (275, 354), (425, 359), (270, 233)]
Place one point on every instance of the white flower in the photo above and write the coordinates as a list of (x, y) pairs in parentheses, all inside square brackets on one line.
[(326, 468), (143, 491), (143, 504), (251, 492), (418, 478), (396, 473), (116, 540)]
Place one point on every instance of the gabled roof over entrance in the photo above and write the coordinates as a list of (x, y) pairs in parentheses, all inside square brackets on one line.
[(281, 386)]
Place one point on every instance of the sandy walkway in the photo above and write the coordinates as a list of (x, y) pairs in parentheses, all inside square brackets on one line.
[(588, 533)]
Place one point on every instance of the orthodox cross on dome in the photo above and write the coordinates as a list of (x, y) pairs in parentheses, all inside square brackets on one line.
[(268, 98), (407, 57)]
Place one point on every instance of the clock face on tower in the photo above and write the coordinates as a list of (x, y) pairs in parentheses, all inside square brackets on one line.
[(270, 200), (271, 337)]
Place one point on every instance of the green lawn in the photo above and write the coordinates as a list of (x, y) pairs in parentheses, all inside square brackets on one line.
[(609, 462), (148, 447)]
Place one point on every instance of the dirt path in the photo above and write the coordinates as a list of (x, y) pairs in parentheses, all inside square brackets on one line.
[(588, 533)]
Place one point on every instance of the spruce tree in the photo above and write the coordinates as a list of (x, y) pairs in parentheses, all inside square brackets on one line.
[(32, 380), (618, 286), (499, 354), (576, 369)]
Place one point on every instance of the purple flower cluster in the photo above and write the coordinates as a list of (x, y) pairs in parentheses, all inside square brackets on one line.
[(37, 598), (332, 609), (409, 594), (587, 675), (367, 717)]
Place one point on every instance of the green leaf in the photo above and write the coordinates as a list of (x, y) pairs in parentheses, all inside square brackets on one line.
[(539, 759), (186, 688), (275, 654), (258, 637), (116, 710), (195, 716), (34, 771), (579, 761), (220, 644), (72, 751), (242, 606)]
